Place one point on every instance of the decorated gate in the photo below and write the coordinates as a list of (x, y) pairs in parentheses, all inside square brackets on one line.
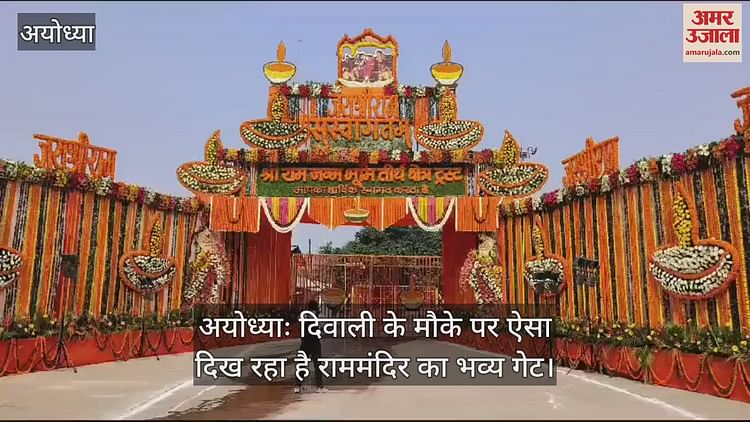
[(366, 279)]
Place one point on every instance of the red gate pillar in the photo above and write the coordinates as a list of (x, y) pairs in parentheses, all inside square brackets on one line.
[(456, 246)]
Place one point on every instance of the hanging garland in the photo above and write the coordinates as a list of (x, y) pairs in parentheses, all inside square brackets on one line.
[(647, 170), (430, 216), (64, 179), (285, 220)]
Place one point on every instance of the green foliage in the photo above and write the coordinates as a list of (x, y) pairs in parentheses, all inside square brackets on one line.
[(394, 241), (688, 338)]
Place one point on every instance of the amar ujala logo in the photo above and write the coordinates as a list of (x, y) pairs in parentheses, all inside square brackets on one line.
[(712, 32)]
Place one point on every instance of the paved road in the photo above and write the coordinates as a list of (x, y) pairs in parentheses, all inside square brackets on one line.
[(146, 389)]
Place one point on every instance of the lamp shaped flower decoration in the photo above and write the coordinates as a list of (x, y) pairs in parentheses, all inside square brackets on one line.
[(513, 178), (280, 71), (358, 214), (148, 271), (448, 133), (692, 268), (275, 132), (544, 272), (11, 263), (210, 177), (447, 73)]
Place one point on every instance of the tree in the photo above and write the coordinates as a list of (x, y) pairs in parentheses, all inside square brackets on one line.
[(401, 241)]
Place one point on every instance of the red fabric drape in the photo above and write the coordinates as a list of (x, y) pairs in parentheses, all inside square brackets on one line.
[(269, 265), (456, 246)]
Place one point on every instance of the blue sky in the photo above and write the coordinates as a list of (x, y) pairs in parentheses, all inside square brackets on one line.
[(166, 75)]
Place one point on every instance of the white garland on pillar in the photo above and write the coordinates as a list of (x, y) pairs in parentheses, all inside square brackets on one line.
[(288, 228), (434, 228)]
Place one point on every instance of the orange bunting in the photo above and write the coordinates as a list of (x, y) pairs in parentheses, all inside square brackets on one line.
[(235, 214), (384, 212), (477, 213)]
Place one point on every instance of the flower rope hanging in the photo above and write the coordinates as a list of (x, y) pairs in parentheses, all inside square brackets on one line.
[(11, 263), (274, 133), (693, 268), (148, 271), (432, 214), (209, 176), (544, 271), (513, 179), (284, 213)]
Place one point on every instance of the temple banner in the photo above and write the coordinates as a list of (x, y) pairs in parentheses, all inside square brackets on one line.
[(385, 181)]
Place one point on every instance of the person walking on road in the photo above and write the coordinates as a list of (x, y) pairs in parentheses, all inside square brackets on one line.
[(311, 346)]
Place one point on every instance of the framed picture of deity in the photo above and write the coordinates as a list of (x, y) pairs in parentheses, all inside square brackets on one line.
[(367, 61)]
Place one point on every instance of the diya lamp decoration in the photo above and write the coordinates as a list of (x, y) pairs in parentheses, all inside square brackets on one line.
[(10, 265), (358, 214), (449, 134), (545, 272), (513, 178), (148, 271), (209, 176), (280, 71), (447, 73), (274, 132), (413, 298), (693, 268)]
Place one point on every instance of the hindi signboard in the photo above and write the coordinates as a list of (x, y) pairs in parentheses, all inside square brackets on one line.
[(382, 181)]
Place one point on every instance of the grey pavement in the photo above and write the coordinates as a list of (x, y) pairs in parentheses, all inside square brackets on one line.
[(148, 389)]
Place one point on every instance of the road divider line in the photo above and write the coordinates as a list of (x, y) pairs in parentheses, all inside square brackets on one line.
[(653, 401)]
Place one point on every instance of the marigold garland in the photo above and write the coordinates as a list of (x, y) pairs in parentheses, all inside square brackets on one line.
[(667, 167), (62, 178)]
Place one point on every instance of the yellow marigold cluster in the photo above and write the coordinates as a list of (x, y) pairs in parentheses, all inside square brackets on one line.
[(277, 107), (212, 148), (510, 152), (536, 237), (447, 108), (683, 226), (155, 240)]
